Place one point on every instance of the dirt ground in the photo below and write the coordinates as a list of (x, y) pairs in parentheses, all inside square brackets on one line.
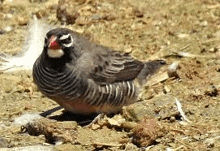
[(185, 31)]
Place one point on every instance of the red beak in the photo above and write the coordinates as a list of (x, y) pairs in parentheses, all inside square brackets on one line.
[(53, 43)]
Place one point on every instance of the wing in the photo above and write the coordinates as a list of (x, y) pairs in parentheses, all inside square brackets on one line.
[(111, 66)]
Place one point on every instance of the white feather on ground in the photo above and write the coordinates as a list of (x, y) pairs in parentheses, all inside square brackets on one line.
[(32, 49)]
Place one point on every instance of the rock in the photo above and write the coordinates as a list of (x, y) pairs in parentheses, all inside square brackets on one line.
[(22, 21), (162, 106), (29, 148), (54, 132), (8, 29), (68, 147), (131, 146), (8, 16), (182, 35), (109, 17), (3, 142), (138, 12), (172, 70), (137, 112), (81, 21), (204, 23), (147, 132), (96, 17)]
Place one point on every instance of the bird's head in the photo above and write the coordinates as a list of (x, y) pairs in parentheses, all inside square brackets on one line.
[(58, 42)]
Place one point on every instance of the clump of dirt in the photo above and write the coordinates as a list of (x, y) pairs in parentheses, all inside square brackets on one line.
[(147, 132), (187, 32)]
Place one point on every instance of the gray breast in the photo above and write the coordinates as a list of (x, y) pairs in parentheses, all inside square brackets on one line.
[(54, 84)]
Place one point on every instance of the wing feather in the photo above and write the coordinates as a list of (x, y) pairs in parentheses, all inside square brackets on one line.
[(113, 67)]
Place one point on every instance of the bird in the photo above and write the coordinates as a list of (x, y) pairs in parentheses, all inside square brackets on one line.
[(86, 78)]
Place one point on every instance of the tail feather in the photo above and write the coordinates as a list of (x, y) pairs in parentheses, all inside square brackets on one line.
[(149, 69)]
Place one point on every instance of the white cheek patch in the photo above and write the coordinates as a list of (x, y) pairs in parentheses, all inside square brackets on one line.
[(55, 53)]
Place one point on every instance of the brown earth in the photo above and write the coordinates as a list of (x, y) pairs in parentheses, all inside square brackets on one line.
[(150, 29)]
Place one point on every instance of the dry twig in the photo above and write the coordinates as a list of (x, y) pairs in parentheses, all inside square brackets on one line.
[(178, 104)]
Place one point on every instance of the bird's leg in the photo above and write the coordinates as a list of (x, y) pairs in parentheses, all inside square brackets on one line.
[(96, 120), (48, 112)]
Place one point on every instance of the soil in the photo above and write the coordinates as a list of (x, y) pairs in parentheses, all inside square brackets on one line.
[(186, 32)]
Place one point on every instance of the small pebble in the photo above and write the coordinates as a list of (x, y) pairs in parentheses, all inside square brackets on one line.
[(204, 23), (172, 70), (210, 143), (22, 21), (172, 119), (96, 17), (8, 29), (8, 16)]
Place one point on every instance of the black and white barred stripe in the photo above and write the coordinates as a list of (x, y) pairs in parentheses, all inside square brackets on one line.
[(68, 86), (116, 94)]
